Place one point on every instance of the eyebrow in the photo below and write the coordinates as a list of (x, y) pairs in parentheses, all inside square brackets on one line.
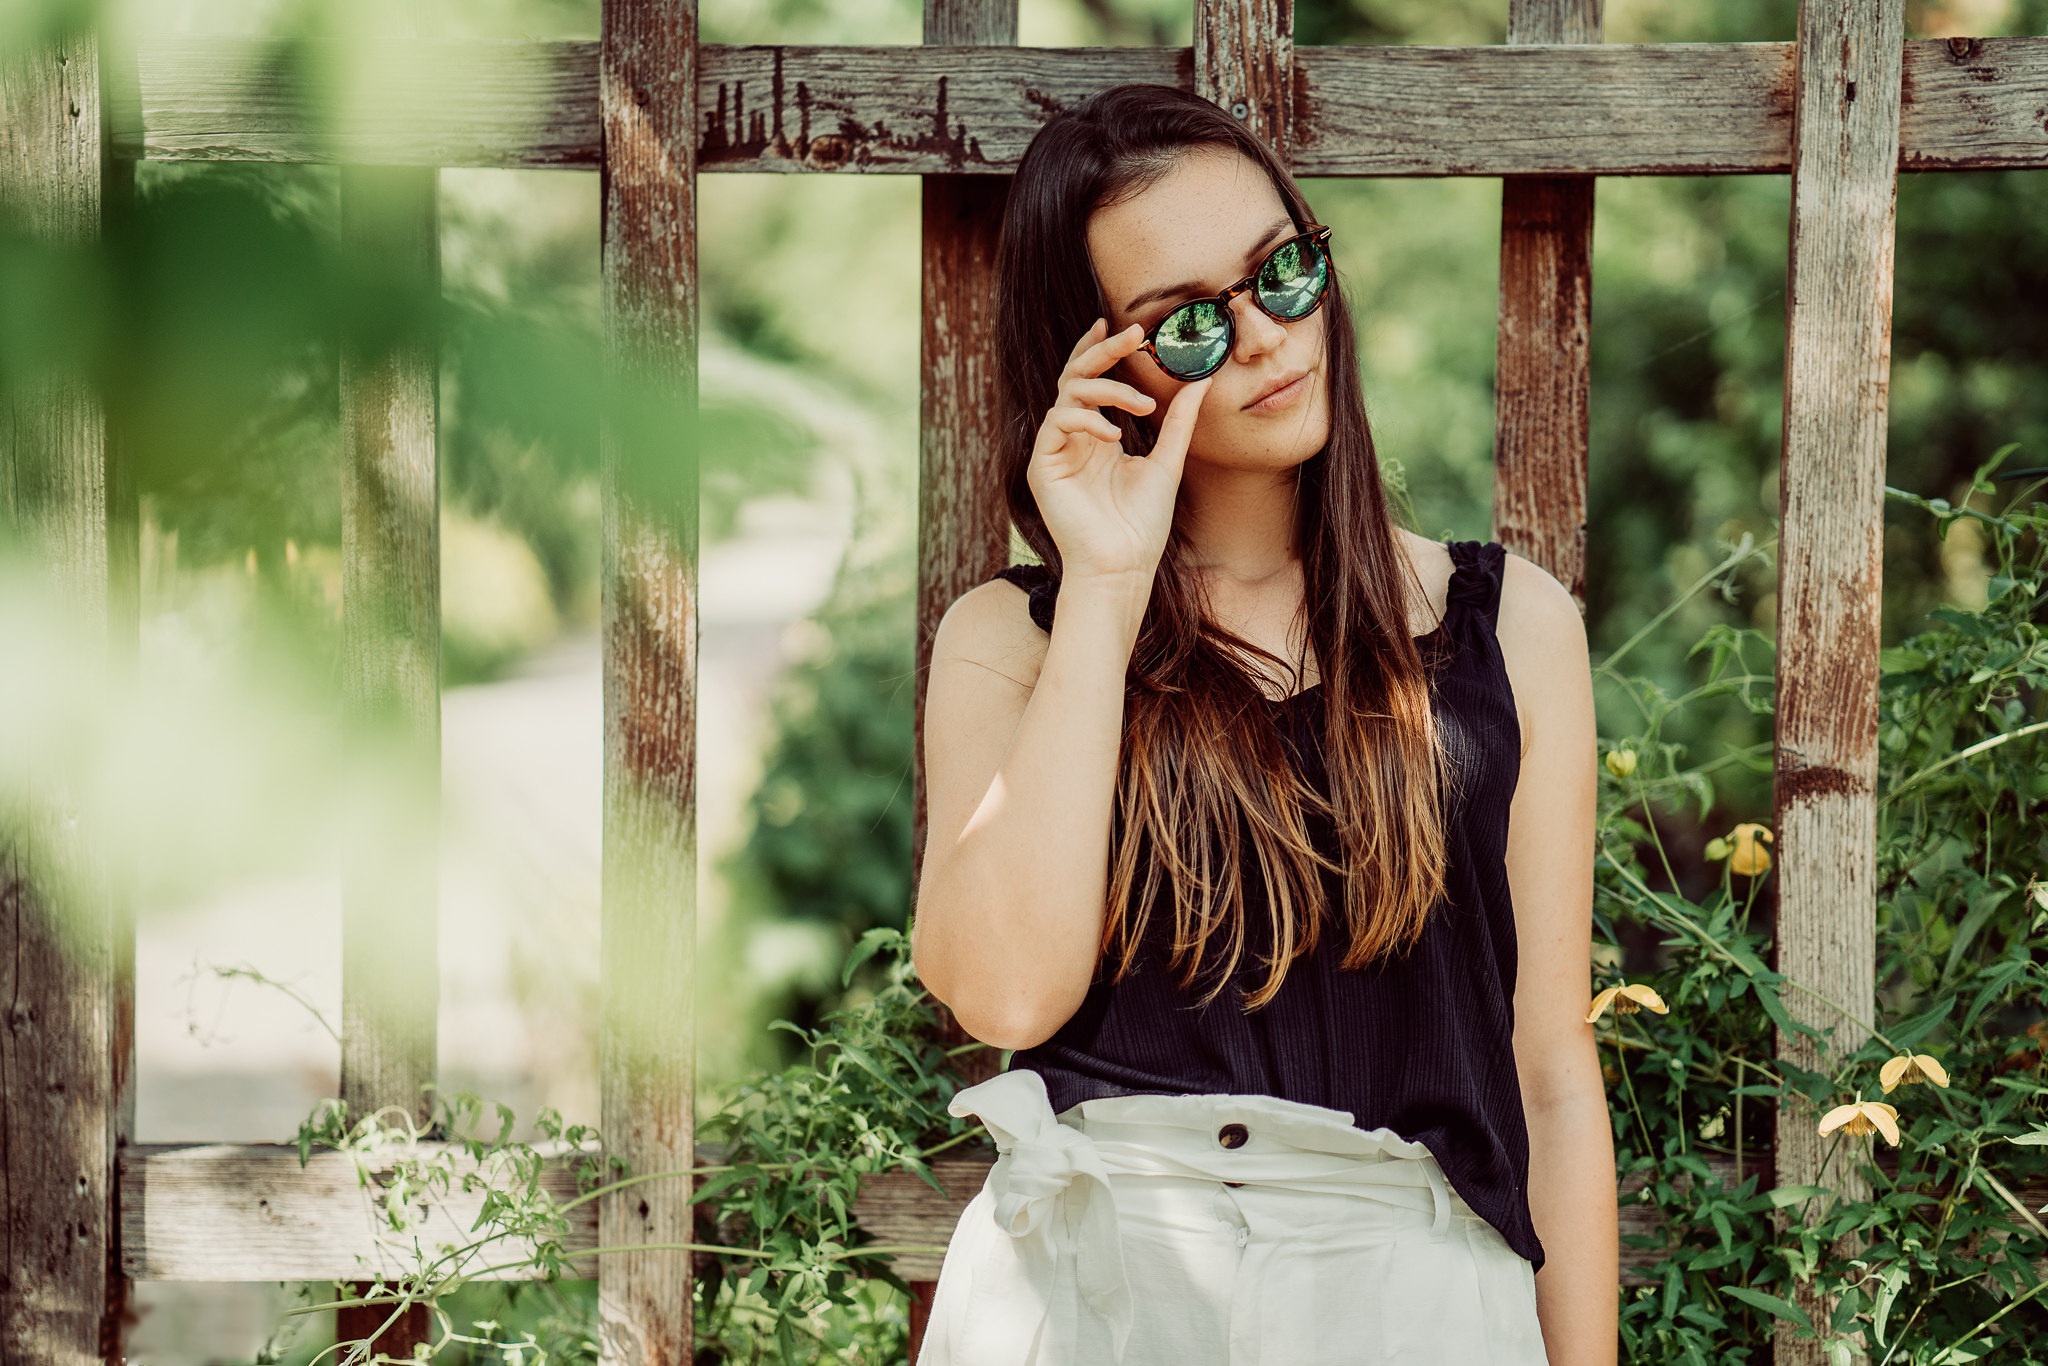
[(1195, 286)]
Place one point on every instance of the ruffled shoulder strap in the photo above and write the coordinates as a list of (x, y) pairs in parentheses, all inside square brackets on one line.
[(1038, 581), (1476, 579)]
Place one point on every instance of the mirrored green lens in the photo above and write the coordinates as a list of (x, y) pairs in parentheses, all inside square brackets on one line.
[(1293, 279), (1193, 339)]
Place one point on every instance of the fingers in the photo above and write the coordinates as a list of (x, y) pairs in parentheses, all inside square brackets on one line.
[(1099, 392), (1094, 354), (1070, 420), (1088, 338), (1178, 426)]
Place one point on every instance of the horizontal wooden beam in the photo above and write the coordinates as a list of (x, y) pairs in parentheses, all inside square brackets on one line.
[(249, 1212), (1611, 109)]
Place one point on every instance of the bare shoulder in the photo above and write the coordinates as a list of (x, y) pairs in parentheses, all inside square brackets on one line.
[(986, 657), (1543, 642), (1431, 561), (988, 630)]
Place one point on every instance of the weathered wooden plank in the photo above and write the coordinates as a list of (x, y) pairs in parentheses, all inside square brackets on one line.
[(963, 524), (1830, 565), (423, 101), (391, 654), (1544, 109), (1542, 374), (647, 90), (391, 683), (1973, 104), (1244, 63), (1613, 109), (66, 1022), (248, 1212)]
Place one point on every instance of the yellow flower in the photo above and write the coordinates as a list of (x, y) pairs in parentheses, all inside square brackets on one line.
[(1749, 857), (1908, 1068), (1860, 1117), (1627, 998), (1621, 762)]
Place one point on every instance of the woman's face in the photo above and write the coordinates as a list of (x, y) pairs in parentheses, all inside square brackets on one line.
[(1202, 227)]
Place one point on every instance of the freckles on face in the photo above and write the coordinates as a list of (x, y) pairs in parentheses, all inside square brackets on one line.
[(1203, 226)]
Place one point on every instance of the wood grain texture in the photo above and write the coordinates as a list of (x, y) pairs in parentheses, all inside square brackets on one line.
[(963, 526), (648, 453), (1542, 372), (391, 681), (1830, 569), (1546, 109), (1244, 65), (391, 653), (64, 1032), (249, 1212)]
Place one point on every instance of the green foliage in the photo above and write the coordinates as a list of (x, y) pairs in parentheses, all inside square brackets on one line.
[(829, 838), (1938, 1265), (1947, 1265), (869, 1098), (790, 1277)]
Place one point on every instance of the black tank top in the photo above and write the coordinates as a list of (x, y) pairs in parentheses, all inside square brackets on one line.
[(1423, 1044)]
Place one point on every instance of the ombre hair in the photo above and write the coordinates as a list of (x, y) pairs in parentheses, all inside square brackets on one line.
[(1205, 790)]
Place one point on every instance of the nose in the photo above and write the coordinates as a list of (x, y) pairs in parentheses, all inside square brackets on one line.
[(1257, 330)]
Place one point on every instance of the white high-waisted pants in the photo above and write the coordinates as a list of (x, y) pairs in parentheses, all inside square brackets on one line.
[(1218, 1230)]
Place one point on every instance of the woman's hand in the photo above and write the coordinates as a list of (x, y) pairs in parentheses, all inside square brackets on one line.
[(1108, 512)]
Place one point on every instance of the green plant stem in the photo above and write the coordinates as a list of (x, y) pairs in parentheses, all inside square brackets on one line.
[(265, 980), (1649, 1145), (456, 1282), (1948, 1353), (1968, 751), (1744, 549)]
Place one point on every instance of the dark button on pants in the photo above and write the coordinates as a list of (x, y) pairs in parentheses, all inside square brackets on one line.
[(1233, 1136)]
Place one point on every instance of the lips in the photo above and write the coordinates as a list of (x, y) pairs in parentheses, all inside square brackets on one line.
[(1276, 386)]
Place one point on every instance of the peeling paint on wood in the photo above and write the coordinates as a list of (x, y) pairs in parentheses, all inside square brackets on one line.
[(1846, 158), (1547, 109)]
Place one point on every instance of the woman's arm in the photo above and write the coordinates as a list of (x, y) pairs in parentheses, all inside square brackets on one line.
[(1020, 774), (1550, 876), (1020, 779)]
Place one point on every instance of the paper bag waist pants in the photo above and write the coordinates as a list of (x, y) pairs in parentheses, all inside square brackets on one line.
[(1217, 1230)]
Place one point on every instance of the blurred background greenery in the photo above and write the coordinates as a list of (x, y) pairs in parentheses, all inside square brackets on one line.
[(211, 314)]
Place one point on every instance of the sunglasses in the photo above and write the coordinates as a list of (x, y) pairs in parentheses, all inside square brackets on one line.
[(1195, 339)]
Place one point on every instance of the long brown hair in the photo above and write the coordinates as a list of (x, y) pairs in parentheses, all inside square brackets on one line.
[(1202, 763)]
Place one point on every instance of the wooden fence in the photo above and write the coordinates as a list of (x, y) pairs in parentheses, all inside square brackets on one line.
[(1841, 111)]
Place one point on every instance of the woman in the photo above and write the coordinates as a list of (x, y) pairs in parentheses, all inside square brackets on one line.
[(1259, 827)]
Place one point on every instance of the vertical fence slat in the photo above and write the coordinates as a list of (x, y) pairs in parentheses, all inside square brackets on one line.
[(647, 92), (124, 619), (1542, 378), (1244, 63), (391, 652), (59, 1108), (1845, 155), (963, 522)]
